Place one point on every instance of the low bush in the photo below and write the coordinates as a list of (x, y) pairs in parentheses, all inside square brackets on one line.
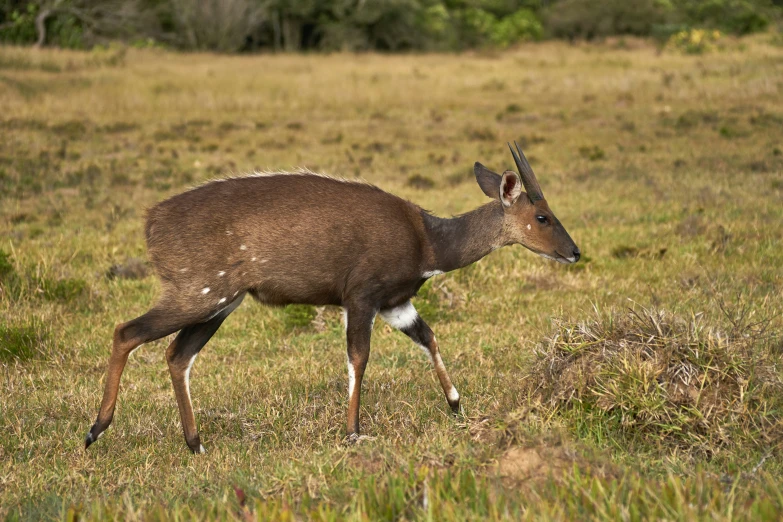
[(664, 379)]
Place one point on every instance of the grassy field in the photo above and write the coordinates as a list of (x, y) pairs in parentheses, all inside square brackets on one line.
[(644, 382)]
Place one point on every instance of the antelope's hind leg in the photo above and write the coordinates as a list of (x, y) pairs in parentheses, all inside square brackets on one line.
[(159, 322), (180, 355), (406, 319)]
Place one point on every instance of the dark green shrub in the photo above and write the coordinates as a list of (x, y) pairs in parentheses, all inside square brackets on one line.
[(19, 28), (730, 16)]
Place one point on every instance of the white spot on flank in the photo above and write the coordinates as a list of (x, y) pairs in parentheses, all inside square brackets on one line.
[(205, 291), (183, 269), (253, 258), (453, 395), (221, 273), (430, 273), (223, 300), (242, 247), (229, 233), (528, 226), (264, 260), (400, 317)]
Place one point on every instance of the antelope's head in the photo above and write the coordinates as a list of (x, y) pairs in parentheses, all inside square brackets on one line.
[(528, 219)]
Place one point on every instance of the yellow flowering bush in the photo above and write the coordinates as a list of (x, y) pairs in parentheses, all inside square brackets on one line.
[(694, 41)]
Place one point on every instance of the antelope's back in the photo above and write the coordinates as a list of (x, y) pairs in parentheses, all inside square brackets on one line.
[(300, 234)]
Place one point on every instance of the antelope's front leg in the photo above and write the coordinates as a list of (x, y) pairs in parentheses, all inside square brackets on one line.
[(358, 329), (406, 319)]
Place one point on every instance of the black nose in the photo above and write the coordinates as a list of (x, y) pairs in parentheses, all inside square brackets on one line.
[(577, 255)]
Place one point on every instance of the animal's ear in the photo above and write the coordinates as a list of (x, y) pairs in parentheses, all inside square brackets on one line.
[(510, 188), (487, 180)]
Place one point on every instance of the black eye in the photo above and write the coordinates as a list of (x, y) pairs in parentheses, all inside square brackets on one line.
[(542, 219)]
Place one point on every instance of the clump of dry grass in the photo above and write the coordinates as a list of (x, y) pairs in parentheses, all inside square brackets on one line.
[(679, 381)]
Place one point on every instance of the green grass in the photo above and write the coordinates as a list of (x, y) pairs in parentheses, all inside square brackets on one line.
[(642, 383)]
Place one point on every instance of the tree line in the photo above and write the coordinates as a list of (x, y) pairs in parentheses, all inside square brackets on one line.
[(360, 25)]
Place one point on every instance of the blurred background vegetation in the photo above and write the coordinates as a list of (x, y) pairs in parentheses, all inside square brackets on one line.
[(231, 26)]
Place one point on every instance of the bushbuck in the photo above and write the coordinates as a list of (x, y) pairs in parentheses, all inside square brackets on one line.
[(311, 239)]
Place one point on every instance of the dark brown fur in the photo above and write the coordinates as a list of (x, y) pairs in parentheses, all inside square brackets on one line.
[(301, 242)]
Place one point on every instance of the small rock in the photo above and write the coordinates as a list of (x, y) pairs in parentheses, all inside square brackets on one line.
[(133, 268)]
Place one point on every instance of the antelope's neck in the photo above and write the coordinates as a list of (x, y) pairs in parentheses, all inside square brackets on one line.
[(464, 239)]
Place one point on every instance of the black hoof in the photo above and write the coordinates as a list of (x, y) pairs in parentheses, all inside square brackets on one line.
[(454, 408), (195, 446), (91, 437)]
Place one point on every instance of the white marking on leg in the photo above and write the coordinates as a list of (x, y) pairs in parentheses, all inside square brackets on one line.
[(427, 275), (400, 317), (426, 351), (205, 291), (345, 319), (438, 362), (201, 449), (187, 375), (351, 378), (453, 395)]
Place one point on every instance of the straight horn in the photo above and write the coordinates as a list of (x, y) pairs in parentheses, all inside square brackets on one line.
[(526, 173)]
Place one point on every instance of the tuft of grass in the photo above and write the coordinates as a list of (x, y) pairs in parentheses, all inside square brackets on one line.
[(23, 342), (420, 182), (481, 134), (298, 316), (64, 289), (72, 130), (592, 153), (650, 375), (6, 267)]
